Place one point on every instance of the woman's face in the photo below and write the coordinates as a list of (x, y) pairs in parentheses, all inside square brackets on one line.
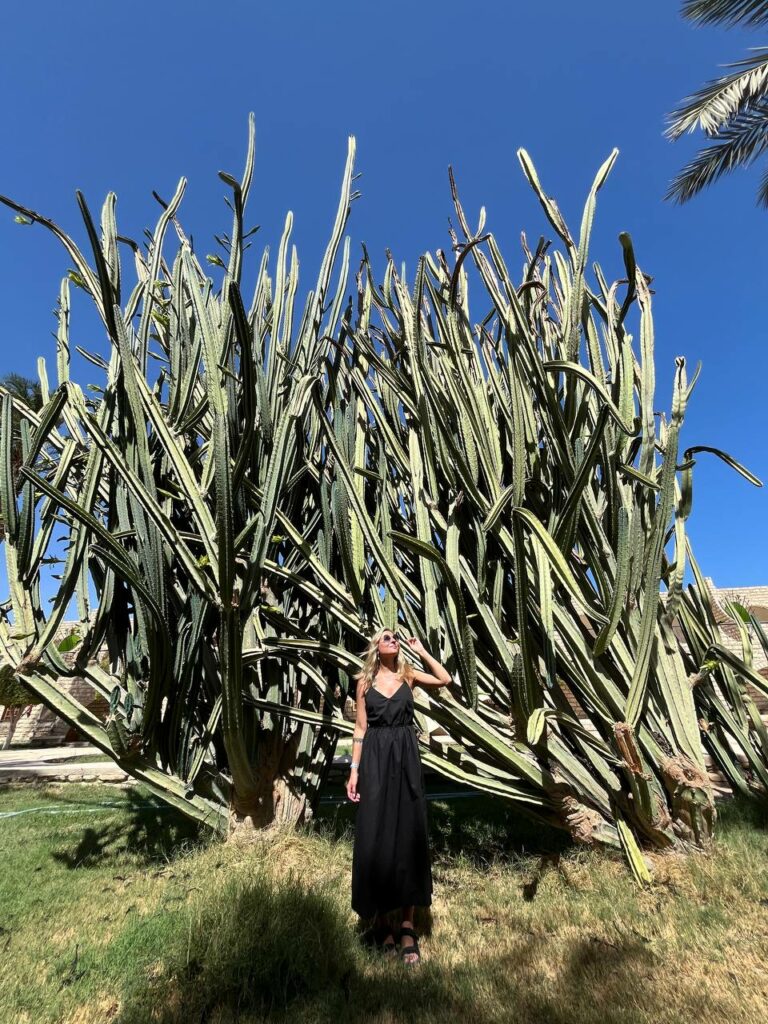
[(388, 643)]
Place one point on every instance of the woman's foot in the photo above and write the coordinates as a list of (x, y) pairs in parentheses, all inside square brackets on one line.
[(385, 938), (409, 946)]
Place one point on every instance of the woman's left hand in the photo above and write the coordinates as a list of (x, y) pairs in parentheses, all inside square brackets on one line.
[(416, 645)]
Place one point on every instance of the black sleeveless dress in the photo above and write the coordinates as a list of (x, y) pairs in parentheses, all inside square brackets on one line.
[(390, 861)]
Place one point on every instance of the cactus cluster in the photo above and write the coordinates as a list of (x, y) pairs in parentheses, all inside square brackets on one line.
[(251, 492)]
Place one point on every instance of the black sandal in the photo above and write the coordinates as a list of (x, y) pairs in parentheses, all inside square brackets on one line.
[(408, 950)]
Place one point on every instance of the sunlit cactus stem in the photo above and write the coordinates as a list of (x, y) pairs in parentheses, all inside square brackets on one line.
[(173, 485)]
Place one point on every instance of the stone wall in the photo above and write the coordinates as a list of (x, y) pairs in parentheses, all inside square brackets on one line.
[(755, 600), (40, 727)]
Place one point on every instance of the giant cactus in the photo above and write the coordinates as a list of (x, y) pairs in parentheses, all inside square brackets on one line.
[(503, 488), (498, 482), (172, 485)]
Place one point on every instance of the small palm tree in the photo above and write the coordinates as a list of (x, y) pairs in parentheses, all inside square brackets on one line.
[(732, 111)]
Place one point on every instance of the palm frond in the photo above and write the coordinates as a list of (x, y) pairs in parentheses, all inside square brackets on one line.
[(24, 388), (723, 98), (762, 192), (726, 12), (743, 139)]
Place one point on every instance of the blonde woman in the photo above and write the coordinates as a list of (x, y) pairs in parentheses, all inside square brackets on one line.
[(390, 863)]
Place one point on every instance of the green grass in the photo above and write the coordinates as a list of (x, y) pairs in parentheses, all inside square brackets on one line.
[(343, 746), (127, 914)]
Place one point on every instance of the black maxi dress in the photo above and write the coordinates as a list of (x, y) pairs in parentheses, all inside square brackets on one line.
[(390, 860)]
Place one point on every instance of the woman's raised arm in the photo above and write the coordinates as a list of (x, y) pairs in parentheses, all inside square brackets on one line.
[(438, 676)]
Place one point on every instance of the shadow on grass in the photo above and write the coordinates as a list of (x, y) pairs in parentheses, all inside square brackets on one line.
[(266, 952), (740, 812), (478, 828), (254, 949), (250, 946), (483, 829), (147, 829)]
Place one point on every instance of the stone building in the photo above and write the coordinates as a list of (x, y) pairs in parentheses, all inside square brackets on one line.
[(755, 600)]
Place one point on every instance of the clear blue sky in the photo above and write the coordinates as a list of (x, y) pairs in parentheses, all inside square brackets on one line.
[(129, 97)]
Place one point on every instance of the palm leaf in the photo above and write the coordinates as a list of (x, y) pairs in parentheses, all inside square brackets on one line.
[(714, 105), (726, 12), (743, 139)]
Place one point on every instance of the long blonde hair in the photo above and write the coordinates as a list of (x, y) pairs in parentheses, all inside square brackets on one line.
[(371, 662)]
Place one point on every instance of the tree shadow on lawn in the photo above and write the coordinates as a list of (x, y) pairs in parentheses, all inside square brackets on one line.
[(147, 829), (741, 812), (478, 828), (484, 829), (266, 951)]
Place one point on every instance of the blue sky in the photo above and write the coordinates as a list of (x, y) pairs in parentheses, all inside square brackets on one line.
[(129, 97)]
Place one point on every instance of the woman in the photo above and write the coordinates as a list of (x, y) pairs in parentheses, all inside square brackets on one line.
[(390, 863)]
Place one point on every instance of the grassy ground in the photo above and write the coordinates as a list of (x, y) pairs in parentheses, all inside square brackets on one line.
[(343, 746), (125, 914)]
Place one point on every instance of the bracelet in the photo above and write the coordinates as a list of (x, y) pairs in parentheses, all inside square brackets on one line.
[(357, 739), (355, 764)]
